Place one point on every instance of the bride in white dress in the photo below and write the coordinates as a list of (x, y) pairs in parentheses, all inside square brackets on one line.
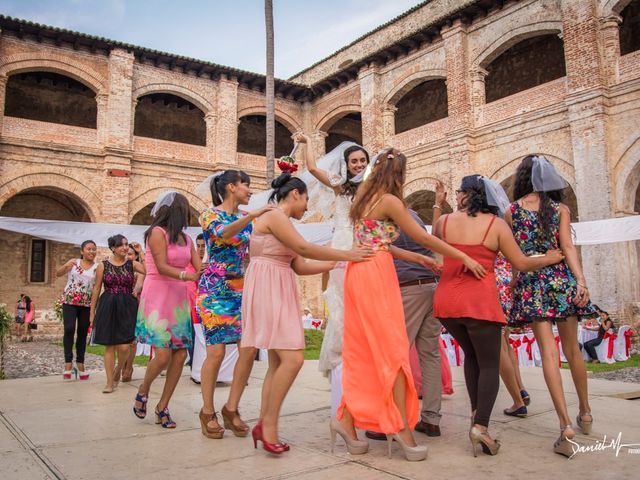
[(338, 175)]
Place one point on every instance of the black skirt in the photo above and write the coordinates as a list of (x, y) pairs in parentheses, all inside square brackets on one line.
[(115, 319)]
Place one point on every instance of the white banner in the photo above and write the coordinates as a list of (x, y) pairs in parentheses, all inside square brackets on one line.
[(597, 232)]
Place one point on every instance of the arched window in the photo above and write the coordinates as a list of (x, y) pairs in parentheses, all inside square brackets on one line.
[(346, 129), (50, 97), (630, 28), (143, 216), (422, 203), (529, 63), (169, 117), (252, 136), (424, 103)]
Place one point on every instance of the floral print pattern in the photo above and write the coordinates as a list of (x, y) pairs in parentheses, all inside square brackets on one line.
[(79, 285), (502, 269), (379, 234), (219, 300), (546, 294)]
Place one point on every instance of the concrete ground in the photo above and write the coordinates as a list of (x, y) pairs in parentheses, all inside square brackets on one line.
[(55, 430)]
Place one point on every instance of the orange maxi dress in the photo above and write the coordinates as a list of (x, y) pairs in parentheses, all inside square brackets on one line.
[(375, 346)]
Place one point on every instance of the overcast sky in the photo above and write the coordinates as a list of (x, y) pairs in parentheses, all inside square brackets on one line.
[(222, 31)]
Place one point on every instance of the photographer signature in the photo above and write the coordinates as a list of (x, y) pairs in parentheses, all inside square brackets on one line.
[(613, 444)]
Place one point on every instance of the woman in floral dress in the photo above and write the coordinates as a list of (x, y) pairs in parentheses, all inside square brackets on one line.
[(76, 306), (164, 316), (557, 294), (226, 233)]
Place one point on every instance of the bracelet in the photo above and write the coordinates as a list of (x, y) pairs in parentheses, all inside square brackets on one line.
[(437, 206), (583, 286), (182, 275)]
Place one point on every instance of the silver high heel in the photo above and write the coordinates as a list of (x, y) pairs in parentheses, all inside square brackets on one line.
[(412, 454), (477, 436), (563, 445), (584, 425), (354, 446)]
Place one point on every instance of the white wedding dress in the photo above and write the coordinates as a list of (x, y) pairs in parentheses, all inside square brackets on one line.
[(331, 352)]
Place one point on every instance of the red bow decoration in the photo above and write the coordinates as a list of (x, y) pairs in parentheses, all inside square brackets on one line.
[(558, 348), (287, 164), (529, 341), (612, 338), (627, 340), (456, 348), (515, 344), (316, 323)]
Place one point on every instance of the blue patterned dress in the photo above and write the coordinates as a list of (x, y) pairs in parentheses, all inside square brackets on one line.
[(545, 294), (219, 300)]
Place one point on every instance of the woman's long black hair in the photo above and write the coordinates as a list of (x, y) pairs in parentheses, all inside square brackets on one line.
[(285, 184), (173, 218), (476, 200), (523, 186), (348, 187), (219, 184)]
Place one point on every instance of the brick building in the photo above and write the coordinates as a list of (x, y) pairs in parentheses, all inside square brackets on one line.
[(92, 130)]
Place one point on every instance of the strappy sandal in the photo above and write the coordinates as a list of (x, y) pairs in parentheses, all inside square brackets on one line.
[(215, 432), (163, 417), (228, 416), (563, 445), (585, 425), (142, 411)]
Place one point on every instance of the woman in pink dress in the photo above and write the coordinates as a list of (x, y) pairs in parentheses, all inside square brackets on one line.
[(164, 314), (270, 305)]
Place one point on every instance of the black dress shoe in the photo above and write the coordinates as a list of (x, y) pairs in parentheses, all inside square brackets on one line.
[(428, 429), (194, 381), (375, 435)]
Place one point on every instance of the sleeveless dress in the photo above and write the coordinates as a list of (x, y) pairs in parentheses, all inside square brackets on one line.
[(79, 287), (545, 294), (164, 313), (331, 351), (219, 300), (502, 269), (270, 304), (460, 294), (115, 318), (375, 346)]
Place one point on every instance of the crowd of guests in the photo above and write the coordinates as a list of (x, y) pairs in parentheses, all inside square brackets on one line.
[(505, 265)]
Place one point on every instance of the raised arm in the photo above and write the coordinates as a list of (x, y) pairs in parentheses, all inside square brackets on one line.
[(571, 255), (312, 167), (393, 208), (66, 268)]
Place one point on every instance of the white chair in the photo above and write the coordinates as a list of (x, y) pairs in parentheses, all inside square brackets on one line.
[(527, 353), (454, 359), (603, 351), (620, 353)]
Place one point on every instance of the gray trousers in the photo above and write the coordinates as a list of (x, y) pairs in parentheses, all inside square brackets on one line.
[(424, 330)]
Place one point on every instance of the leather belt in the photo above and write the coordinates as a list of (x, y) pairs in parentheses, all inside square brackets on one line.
[(420, 281)]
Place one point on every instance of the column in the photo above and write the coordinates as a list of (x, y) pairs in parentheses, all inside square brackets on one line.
[(211, 125), (586, 103), (227, 125), (388, 124), (102, 100), (478, 93), (610, 41), (3, 93), (370, 104)]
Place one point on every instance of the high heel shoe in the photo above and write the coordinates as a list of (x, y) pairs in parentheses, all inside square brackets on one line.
[(228, 416), (354, 446), (142, 411), (275, 448), (564, 444), (477, 436), (207, 431), (66, 375), (585, 425), (163, 417), (412, 454)]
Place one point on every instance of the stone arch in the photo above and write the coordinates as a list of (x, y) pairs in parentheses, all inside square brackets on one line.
[(331, 117), (283, 117), (25, 62), (410, 81), (504, 42), (627, 177), (67, 185), (610, 7), (150, 196), (420, 196), (174, 89)]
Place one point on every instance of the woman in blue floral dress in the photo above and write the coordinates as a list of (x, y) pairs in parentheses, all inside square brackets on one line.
[(226, 232), (557, 294)]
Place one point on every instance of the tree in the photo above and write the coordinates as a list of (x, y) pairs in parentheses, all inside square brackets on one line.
[(269, 92)]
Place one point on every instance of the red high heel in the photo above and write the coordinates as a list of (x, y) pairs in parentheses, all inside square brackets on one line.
[(275, 448)]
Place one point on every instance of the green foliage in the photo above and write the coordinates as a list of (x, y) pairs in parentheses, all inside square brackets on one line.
[(633, 361), (57, 309), (313, 342), (6, 320)]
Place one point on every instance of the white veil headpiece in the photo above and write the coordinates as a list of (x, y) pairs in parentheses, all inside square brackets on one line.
[(496, 196), (164, 199), (545, 177), (322, 198), (203, 190)]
